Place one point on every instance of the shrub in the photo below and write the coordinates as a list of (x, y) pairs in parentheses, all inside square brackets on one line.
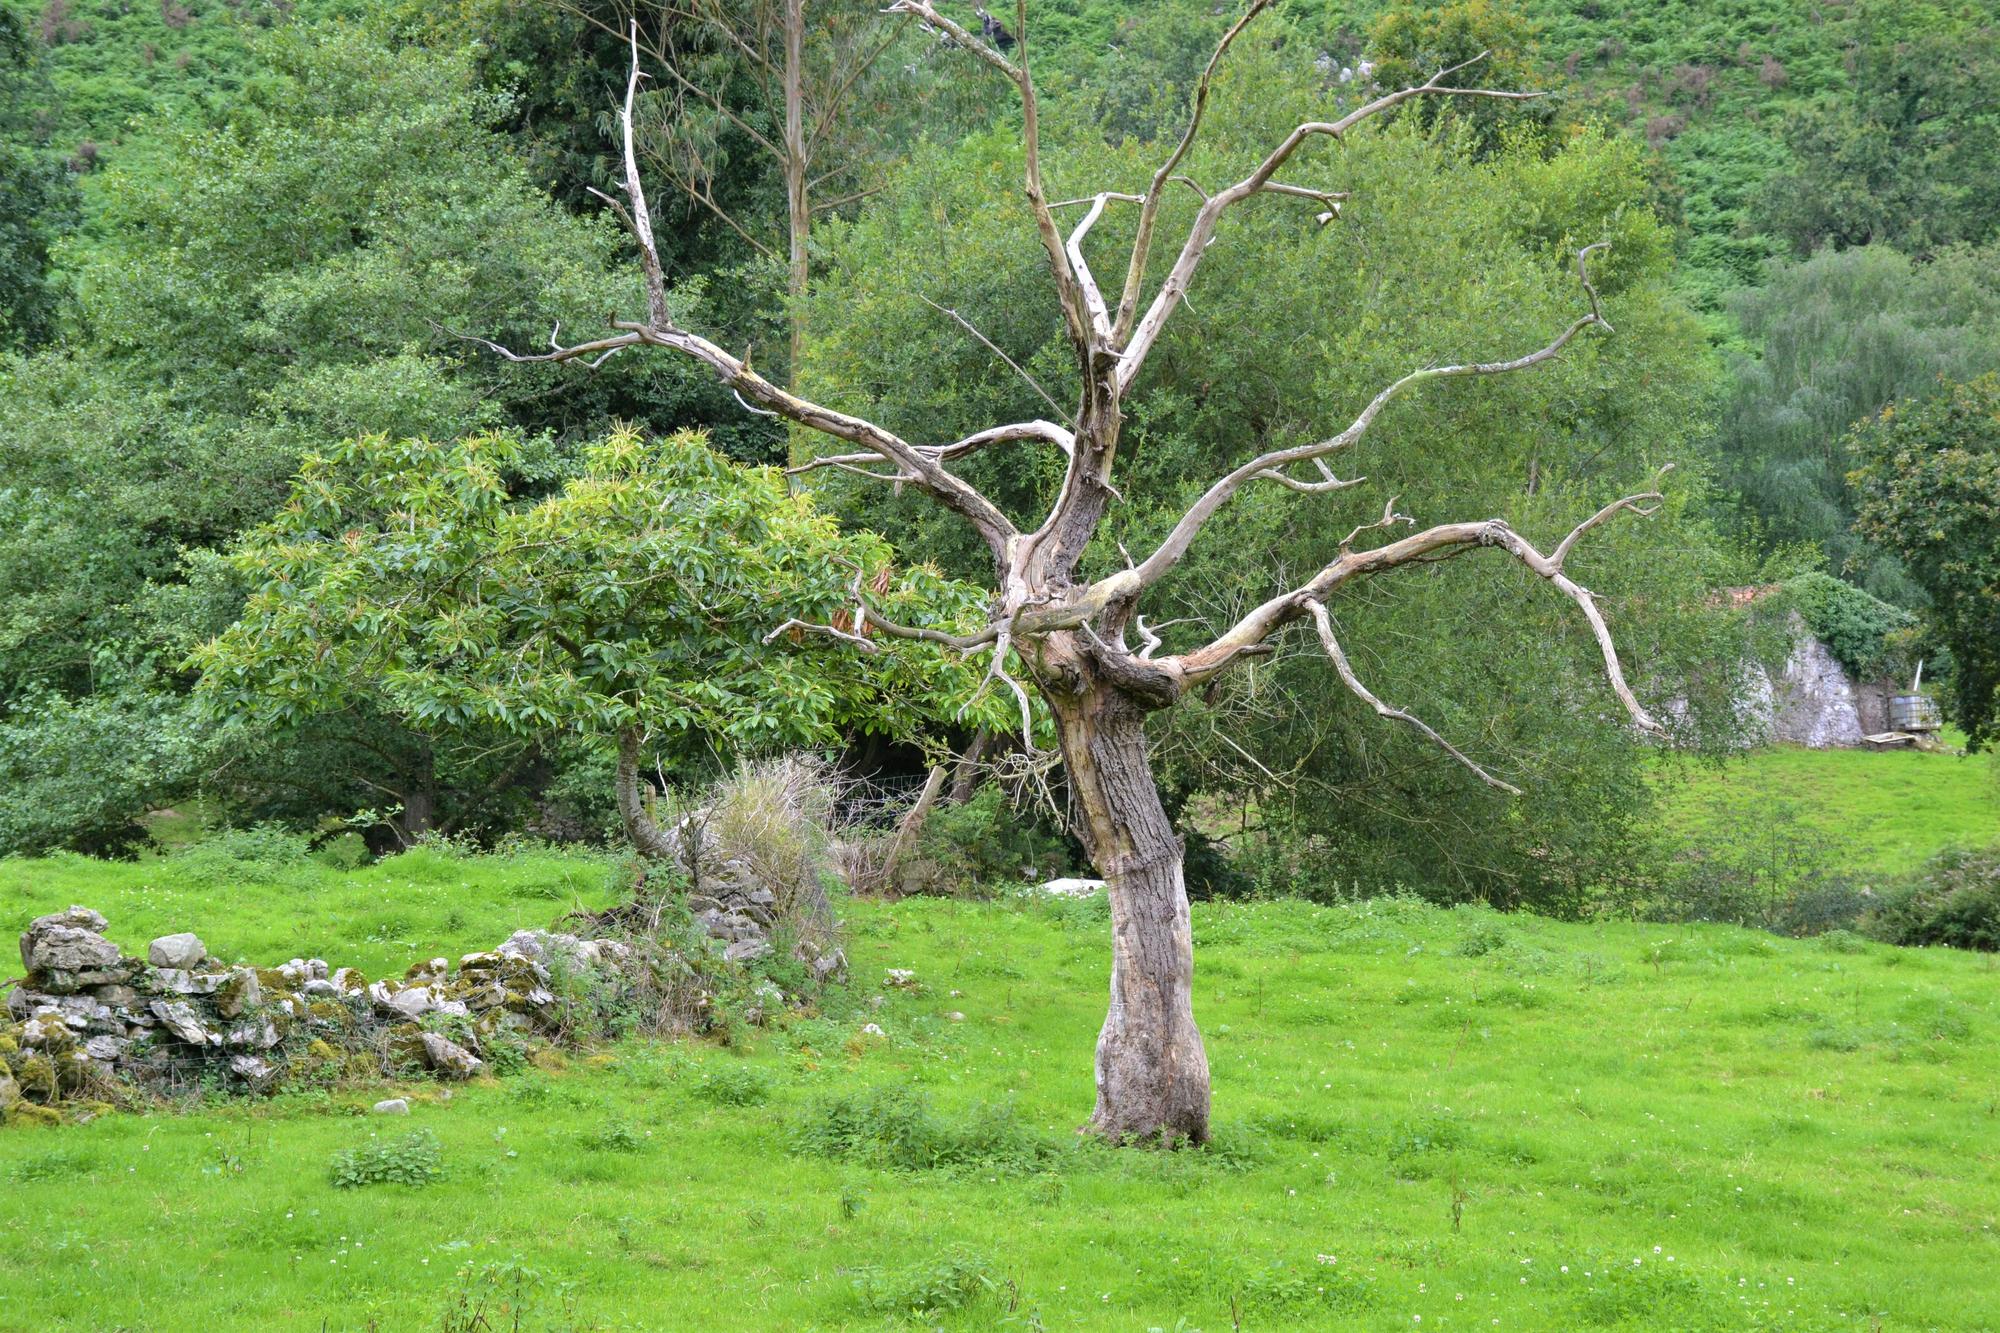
[(970, 848), (898, 1128), (615, 1136), (734, 1085), (412, 1159), (1869, 636), (1953, 900), (950, 1282)]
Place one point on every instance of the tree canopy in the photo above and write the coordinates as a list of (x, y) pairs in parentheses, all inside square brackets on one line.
[(641, 594), (1929, 482)]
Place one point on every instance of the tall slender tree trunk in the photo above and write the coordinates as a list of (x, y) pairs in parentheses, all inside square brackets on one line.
[(798, 203), (1152, 1073)]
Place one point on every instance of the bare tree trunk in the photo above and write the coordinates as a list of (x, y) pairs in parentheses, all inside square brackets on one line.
[(419, 813), (1152, 1073), (646, 835), (798, 204), (908, 828), (965, 777)]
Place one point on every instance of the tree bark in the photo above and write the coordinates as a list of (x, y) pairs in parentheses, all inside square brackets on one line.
[(647, 836), (1152, 1073), (798, 202)]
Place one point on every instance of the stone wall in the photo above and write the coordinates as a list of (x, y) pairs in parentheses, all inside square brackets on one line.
[(90, 1026)]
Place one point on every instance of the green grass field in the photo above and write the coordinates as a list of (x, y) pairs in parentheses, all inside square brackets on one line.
[(1885, 811), (1426, 1119)]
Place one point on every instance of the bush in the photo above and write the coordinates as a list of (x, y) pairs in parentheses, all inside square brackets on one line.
[(734, 1085), (950, 1282), (413, 1159), (967, 850), (1869, 636), (1953, 900), (899, 1129)]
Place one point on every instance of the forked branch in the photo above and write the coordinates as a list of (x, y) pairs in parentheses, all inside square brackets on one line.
[(1147, 330), (1271, 465), (1424, 547), (1353, 683)]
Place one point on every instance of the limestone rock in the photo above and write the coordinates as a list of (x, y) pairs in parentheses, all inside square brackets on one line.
[(254, 1070), (10, 1091), (180, 1018), (241, 991), (744, 951), (391, 1106), (410, 1002), (261, 1034), (184, 950), (68, 942), (901, 978), (448, 1058)]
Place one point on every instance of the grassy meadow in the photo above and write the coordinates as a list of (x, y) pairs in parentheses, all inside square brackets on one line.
[(1876, 812), (1427, 1118)]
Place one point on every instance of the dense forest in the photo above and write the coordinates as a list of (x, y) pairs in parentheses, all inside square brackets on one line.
[(249, 251)]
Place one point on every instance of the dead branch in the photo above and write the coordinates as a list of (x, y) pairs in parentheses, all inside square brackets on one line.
[(1446, 539), (1067, 288), (1135, 268), (1143, 334), (1353, 682), (1177, 541)]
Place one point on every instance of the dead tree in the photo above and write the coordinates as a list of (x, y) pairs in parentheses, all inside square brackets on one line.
[(1071, 636)]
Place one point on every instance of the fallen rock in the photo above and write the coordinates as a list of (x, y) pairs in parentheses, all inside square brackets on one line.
[(262, 1034), (239, 991), (901, 978), (1071, 888), (447, 1057), (410, 1002), (744, 951), (184, 950), (392, 1106)]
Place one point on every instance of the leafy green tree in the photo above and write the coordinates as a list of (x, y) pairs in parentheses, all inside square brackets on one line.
[(37, 196), (1839, 337), (1929, 482), (293, 270), (1906, 155), (648, 597), (1411, 42)]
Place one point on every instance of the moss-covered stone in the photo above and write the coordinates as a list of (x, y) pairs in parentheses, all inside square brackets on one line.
[(37, 1075), (29, 1113), (239, 992)]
